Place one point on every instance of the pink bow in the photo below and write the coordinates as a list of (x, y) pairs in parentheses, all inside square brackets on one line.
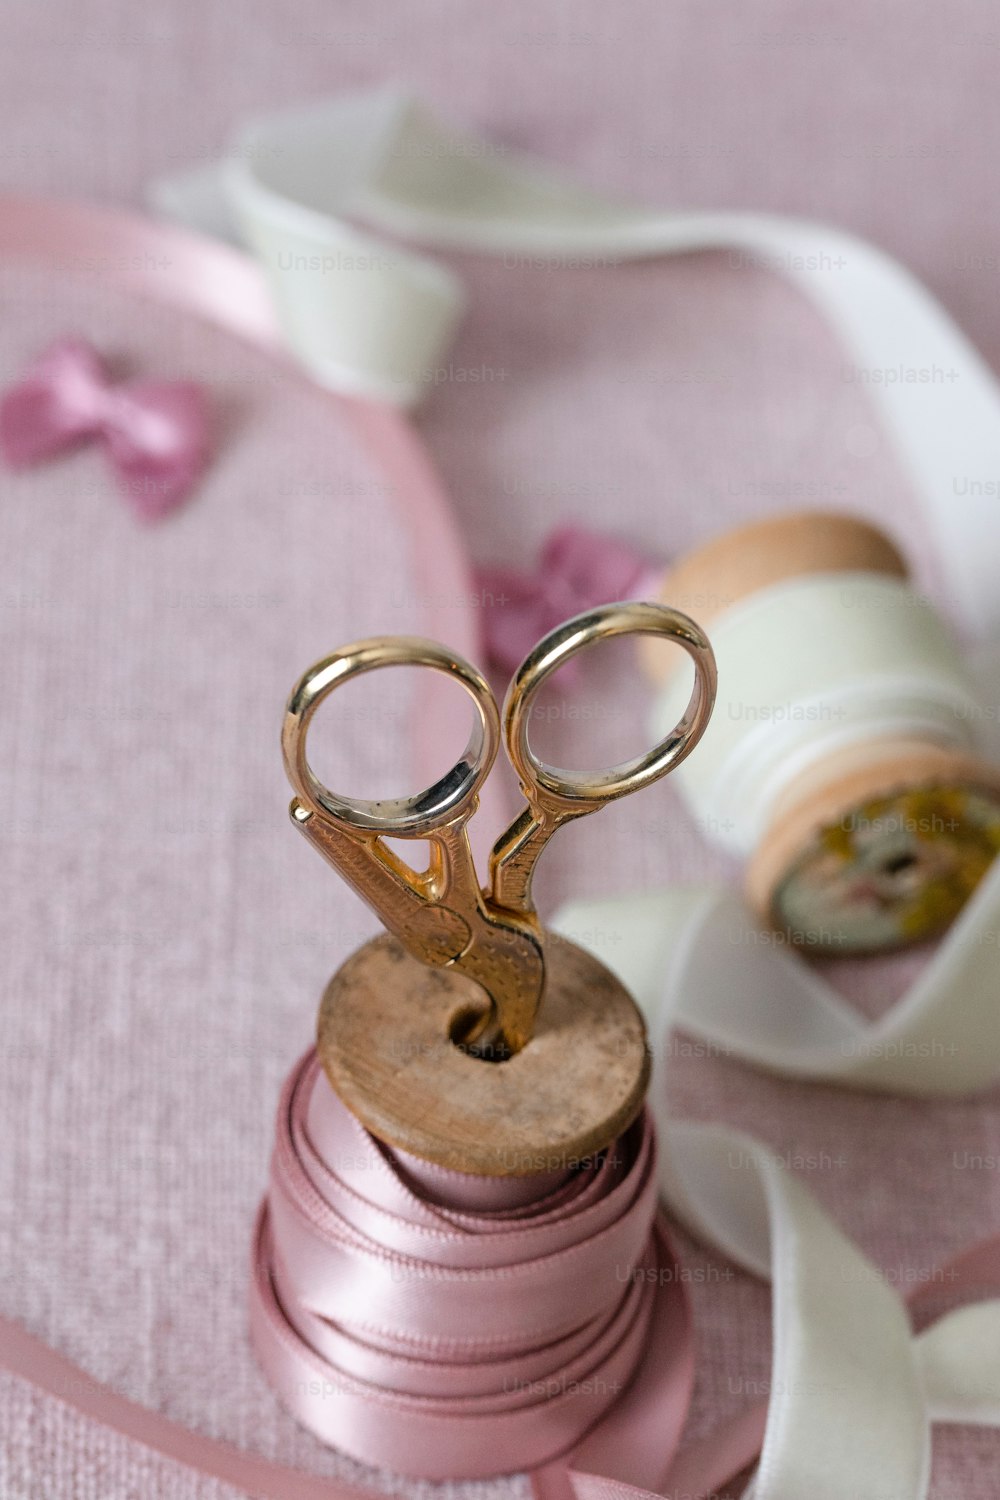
[(156, 433), (577, 570)]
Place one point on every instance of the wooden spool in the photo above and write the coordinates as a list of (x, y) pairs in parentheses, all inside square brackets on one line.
[(384, 1038), (799, 877)]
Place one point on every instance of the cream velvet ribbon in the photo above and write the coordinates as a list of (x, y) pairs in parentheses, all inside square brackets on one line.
[(853, 1392), (316, 191)]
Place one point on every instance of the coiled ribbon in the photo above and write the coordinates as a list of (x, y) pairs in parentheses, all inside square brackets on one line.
[(446, 1326)]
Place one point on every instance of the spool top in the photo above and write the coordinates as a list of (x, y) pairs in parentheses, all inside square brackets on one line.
[(385, 1040), (738, 563)]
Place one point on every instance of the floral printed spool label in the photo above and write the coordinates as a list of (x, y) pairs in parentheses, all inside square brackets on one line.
[(894, 870)]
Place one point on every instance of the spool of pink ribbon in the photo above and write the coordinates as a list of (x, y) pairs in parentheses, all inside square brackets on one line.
[(453, 1327)]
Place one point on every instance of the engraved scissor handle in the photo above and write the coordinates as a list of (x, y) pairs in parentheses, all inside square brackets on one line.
[(441, 915), (417, 907)]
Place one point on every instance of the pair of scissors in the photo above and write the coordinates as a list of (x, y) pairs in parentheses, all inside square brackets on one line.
[(442, 915)]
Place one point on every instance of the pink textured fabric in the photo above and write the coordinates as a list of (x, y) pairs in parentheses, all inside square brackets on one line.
[(165, 936)]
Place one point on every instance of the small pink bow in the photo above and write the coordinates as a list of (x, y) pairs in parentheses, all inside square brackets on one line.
[(156, 433), (577, 569)]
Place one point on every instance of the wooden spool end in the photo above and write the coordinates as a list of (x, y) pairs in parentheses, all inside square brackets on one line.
[(876, 846), (384, 1041), (742, 562)]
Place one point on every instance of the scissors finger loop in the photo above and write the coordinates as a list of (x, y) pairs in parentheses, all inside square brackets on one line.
[(583, 791), (402, 817)]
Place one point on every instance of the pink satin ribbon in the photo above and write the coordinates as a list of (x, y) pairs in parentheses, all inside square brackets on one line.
[(577, 569), (155, 433), (626, 1457), (440, 1339)]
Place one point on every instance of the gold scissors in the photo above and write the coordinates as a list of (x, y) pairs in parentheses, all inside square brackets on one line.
[(442, 915)]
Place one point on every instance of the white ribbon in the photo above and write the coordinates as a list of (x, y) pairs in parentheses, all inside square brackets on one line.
[(698, 959), (853, 1393), (367, 316)]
